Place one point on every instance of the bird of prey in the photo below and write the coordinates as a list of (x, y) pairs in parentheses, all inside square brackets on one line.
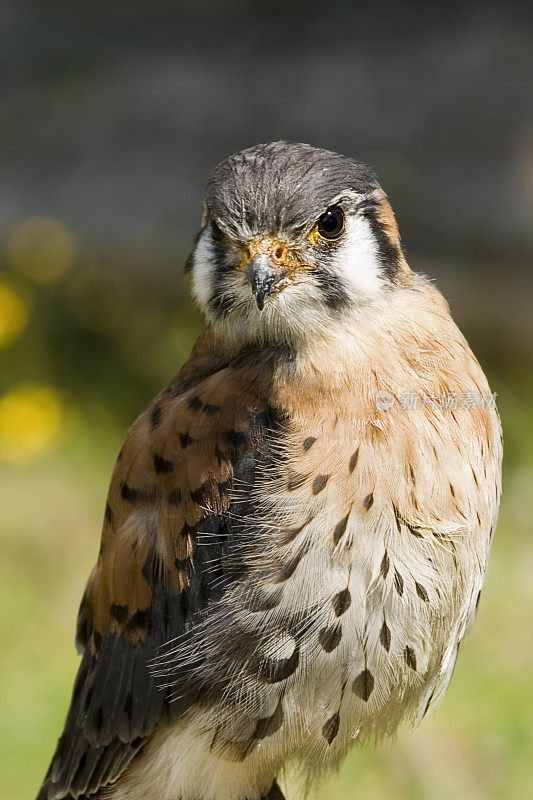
[(298, 525)]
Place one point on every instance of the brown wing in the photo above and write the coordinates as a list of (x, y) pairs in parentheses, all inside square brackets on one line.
[(150, 583)]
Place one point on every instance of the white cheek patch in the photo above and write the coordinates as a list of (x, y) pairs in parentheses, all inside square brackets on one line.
[(203, 261), (357, 260)]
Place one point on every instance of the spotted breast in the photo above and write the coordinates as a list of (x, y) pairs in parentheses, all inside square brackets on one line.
[(285, 567)]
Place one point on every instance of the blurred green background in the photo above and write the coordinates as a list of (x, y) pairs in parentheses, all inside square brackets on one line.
[(112, 117)]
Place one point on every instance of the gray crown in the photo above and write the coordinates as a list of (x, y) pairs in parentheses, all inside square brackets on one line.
[(281, 187)]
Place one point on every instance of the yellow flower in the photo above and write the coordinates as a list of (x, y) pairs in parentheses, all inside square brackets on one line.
[(42, 248), (13, 314), (31, 420)]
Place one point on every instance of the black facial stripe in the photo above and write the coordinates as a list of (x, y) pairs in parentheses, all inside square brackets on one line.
[(222, 300), (222, 268), (389, 253), (332, 289)]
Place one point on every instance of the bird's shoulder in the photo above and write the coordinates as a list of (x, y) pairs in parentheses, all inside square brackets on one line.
[(174, 469)]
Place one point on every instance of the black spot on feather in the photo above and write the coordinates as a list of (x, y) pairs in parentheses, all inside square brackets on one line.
[(353, 461), (398, 582), (385, 636), (185, 440), (363, 685), (195, 404), (331, 728), (319, 483), (421, 592), (340, 529), (341, 602), (131, 495), (385, 563), (368, 501), (410, 657), (163, 465), (330, 637)]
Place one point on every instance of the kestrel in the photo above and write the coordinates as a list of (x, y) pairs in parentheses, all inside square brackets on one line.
[(298, 526)]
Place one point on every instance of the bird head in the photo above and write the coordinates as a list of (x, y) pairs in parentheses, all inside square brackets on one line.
[(294, 240)]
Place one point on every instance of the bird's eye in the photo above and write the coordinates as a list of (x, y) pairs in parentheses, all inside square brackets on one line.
[(216, 234), (331, 224)]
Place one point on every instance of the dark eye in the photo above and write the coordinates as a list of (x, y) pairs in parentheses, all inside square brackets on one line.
[(331, 224), (216, 234)]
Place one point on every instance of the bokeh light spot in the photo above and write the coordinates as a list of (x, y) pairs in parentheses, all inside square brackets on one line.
[(42, 248), (31, 421), (13, 314)]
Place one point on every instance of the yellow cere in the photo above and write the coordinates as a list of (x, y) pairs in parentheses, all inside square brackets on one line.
[(42, 248), (279, 251), (13, 314), (31, 421)]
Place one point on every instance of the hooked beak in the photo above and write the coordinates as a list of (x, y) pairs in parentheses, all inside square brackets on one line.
[(261, 273)]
